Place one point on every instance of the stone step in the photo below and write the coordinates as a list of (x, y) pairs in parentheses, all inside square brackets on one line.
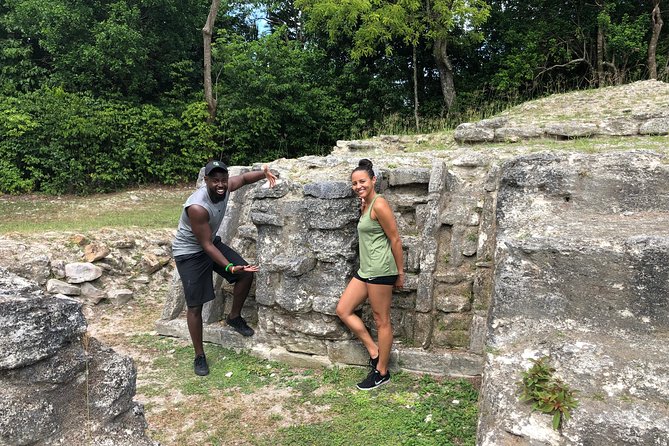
[(604, 282)]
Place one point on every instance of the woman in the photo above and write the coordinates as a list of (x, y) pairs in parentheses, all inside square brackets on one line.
[(381, 268)]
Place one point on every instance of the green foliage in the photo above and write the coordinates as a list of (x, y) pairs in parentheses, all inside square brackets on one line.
[(547, 393), (276, 99), (107, 47), (57, 142)]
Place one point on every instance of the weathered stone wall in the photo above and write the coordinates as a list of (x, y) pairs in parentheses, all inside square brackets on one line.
[(302, 233), (582, 277), (58, 386)]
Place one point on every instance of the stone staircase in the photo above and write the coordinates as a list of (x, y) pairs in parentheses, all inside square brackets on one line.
[(581, 276)]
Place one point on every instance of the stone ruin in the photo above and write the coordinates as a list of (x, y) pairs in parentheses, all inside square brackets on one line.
[(512, 252), (57, 385), (545, 247), (302, 233)]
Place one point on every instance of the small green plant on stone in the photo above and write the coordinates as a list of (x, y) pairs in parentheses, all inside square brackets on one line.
[(547, 393)]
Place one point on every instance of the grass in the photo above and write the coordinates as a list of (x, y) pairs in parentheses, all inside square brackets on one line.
[(158, 207), (315, 407)]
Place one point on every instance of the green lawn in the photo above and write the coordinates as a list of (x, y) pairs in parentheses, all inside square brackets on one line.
[(147, 208), (411, 410)]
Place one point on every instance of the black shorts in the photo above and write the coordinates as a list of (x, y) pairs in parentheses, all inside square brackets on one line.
[(381, 280), (196, 271)]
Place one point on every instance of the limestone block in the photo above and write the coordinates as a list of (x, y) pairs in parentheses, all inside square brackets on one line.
[(280, 189), (472, 160), (82, 272), (333, 245), (120, 296), (656, 126), (292, 264), (619, 127), (348, 352), (518, 133), (449, 363), (212, 311), (471, 132), (326, 304), (151, 263), (329, 214), (422, 335), (424, 299), (305, 345), (571, 129), (266, 212), (491, 179), (58, 269), (19, 412), (292, 296), (470, 242), (36, 267), (311, 324), (437, 178), (412, 247), (60, 368), (482, 289), (175, 300), (59, 316), (55, 286), (404, 299), (95, 251), (106, 367), (459, 210), (124, 243), (328, 190), (409, 175), (297, 359), (452, 330), (477, 334), (494, 123), (266, 287), (453, 298)]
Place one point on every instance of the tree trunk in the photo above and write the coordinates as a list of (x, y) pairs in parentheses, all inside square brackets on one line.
[(445, 72), (415, 88), (656, 20), (207, 33), (600, 57)]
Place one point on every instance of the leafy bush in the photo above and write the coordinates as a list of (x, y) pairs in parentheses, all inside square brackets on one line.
[(57, 142)]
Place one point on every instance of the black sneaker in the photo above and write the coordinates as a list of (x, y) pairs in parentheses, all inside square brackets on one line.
[(374, 380), (240, 326), (373, 362), (200, 365)]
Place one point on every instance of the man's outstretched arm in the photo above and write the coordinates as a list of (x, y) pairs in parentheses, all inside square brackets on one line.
[(238, 181)]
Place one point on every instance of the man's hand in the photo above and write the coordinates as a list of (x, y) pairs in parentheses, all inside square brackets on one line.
[(244, 269), (269, 175)]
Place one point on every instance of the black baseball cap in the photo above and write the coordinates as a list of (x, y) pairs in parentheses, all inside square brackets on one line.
[(213, 165)]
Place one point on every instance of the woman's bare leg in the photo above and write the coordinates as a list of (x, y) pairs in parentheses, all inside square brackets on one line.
[(380, 299), (355, 294)]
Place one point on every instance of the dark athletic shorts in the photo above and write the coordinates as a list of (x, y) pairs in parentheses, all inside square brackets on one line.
[(196, 273), (382, 280)]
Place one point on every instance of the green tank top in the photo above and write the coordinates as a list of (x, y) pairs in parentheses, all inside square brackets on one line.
[(376, 257)]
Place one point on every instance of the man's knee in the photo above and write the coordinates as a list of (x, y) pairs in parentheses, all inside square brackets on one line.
[(194, 311)]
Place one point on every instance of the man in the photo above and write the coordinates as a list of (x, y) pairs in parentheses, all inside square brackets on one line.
[(198, 251)]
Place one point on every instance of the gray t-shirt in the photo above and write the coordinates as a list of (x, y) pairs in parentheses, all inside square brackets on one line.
[(185, 241)]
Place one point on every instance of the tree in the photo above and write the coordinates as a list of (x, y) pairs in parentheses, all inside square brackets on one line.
[(207, 33), (380, 25), (121, 48), (656, 22)]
